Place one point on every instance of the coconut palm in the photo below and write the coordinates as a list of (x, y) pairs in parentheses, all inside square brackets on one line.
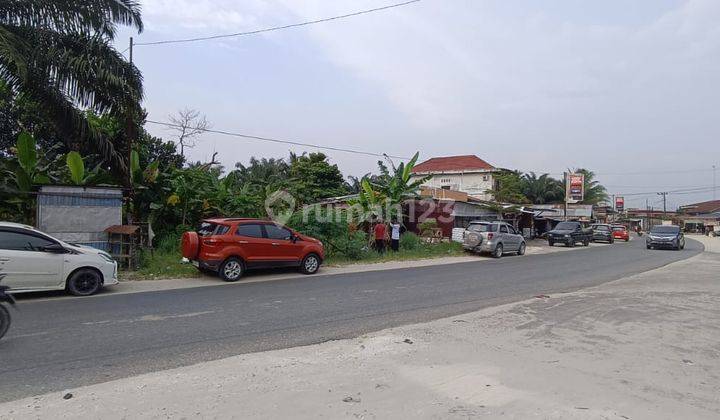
[(542, 189), (58, 54)]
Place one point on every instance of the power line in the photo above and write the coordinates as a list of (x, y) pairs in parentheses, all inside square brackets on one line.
[(276, 28), (273, 140)]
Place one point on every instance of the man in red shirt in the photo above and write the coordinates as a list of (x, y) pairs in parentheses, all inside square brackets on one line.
[(380, 232)]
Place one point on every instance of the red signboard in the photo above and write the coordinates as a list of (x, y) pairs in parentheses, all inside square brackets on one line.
[(620, 204), (574, 187)]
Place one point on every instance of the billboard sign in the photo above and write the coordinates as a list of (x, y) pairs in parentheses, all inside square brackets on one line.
[(574, 187), (620, 204)]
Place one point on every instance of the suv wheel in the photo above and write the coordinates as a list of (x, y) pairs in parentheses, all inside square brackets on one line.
[(310, 264), (521, 250), (232, 269), (4, 320), (498, 251), (84, 282)]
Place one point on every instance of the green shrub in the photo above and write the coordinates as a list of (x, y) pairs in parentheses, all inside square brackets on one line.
[(409, 241)]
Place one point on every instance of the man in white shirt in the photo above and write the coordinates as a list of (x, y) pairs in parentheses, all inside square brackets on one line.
[(395, 234)]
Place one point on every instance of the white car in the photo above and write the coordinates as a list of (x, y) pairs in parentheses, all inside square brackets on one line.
[(32, 261)]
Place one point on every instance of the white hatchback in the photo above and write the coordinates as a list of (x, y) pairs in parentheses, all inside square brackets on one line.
[(32, 261)]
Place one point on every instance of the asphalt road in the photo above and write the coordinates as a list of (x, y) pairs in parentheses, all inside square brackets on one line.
[(62, 344)]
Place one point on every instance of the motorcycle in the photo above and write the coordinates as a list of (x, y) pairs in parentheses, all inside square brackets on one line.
[(5, 318)]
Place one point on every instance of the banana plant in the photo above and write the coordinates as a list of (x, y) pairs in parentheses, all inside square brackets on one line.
[(29, 169)]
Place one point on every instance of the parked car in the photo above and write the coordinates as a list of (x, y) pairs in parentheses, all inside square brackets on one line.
[(231, 246), (495, 238), (602, 233), (665, 236), (620, 232), (570, 233), (34, 261)]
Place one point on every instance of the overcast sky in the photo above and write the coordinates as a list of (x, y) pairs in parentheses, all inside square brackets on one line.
[(617, 86)]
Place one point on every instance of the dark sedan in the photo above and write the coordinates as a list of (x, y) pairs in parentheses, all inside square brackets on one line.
[(665, 236), (603, 233)]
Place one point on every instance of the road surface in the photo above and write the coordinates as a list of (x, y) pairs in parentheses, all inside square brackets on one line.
[(62, 344)]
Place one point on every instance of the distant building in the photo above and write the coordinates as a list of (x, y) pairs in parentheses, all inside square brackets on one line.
[(468, 174), (701, 217)]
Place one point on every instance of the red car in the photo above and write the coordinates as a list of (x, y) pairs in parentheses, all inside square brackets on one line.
[(230, 246), (620, 232)]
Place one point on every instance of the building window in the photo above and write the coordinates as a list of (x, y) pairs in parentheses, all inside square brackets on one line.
[(486, 178), (445, 187), (445, 180)]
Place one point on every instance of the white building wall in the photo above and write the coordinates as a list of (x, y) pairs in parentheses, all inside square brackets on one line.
[(475, 184)]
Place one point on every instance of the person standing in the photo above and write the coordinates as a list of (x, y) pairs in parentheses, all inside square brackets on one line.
[(380, 231), (395, 234)]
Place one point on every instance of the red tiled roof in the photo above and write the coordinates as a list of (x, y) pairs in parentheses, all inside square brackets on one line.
[(452, 163), (704, 207)]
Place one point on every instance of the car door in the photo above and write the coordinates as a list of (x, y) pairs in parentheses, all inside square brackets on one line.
[(250, 238), (284, 249), (24, 262), (505, 238), (514, 238)]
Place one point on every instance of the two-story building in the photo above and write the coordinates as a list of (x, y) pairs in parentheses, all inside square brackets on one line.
[(467, 173)]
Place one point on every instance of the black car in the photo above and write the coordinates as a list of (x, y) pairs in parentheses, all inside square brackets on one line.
[(569, 233), (665, 236), (602, 233)]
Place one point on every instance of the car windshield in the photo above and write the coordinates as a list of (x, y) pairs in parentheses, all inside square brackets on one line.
[(566, 226), (483, 227), (618, 228), (665, 229)]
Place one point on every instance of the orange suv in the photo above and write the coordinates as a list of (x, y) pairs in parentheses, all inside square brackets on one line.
[(231, 246)]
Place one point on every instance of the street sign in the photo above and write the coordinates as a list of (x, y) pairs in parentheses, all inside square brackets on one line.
[(574, 187), (620, 204)]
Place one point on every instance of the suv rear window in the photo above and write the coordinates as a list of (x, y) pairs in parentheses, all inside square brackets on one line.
[(207, 229), (481, 227), (602, 227)]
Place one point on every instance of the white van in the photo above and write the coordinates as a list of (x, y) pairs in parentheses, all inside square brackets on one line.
[(32, 261)]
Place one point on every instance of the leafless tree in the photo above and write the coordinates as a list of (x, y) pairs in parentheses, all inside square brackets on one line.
[(188, 124)]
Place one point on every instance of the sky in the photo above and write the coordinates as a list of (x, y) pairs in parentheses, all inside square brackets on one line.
[(627, 88)]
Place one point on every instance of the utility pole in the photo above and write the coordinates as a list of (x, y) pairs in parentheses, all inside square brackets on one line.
[(664, 196), (131, 49), (714, 184), (647, 214)]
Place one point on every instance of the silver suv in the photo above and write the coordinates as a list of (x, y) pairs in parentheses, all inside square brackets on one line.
[(495, 238)]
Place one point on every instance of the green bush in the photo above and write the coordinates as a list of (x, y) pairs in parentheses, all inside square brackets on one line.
[(410, 241)]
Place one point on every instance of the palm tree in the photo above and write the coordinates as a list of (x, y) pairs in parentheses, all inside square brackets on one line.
[(594, 192), (542, 189), (57, 53)]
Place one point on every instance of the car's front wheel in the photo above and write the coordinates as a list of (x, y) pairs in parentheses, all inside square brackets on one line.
[(84, 282), (310, 264), (232, 269), (4, 320), (521, 250)]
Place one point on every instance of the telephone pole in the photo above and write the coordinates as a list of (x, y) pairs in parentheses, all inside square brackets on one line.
[(664, 196), (131, 49), (714, 184)]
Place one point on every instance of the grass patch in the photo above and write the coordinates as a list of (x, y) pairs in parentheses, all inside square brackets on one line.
[(421, 251), (161, 264), (165, 262)]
